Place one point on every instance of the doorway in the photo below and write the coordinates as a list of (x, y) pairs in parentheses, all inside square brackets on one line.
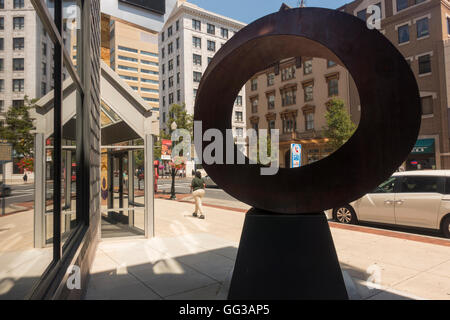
[(123, 192)]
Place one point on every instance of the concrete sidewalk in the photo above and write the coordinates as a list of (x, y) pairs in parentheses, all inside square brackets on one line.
[(193, 259)]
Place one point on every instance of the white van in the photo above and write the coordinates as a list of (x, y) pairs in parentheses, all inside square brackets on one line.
[(414, 198)]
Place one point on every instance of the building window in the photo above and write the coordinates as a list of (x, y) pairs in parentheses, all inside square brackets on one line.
[(177, 43), (239, 132), (270, 79), (43, 88), (170, 65), (2, 4), (402, 4), (195, 93), (210, 28), (271, 125), (170, 98), (211, 45), (427, 105), (197, 59), (330, 63), (271, 101), (209, 59), (238, 101), (2, 106), (18, 85), (18, 44), (238, 116), (288, 73), (18, 64), (128, 59), (362, 14), (127, 49), (169, 31), (149, 81), (178, 95), (147, 62), (163, 68), (164, 104), (18, 23), (2, 85), (448, 25), (178, 60), (254, 84), (18, 103), (289, 125), (309, 118), (44, 49), (197, 42), (308, 92), (2, 23), (425, 64), (422, 27), (19, 4), (307, 67), (164, 84), (177, 25), (129, 78), (163, 53), (197, 76), (288, 97), (2, 66), (403, 33), (178, 78), (2, 44), (170, 82), (333, 89), (224, 33), (162, 36), (127, 68), (170, 48), (254, 102), (196, 24)]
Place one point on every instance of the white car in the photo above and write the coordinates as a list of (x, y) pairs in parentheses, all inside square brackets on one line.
[(418, 199)]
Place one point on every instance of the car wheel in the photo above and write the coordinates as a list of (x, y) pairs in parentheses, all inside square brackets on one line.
[(445, 227), (345, 214)]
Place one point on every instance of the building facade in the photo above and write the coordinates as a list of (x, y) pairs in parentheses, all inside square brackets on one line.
[(292, 96), (26, 57), (189, 40), (134, 57), (420, 30)]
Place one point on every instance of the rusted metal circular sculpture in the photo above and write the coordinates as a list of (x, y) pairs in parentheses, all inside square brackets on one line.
[(390, 108)]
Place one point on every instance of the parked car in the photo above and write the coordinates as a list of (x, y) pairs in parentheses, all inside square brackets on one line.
[(209, 182), (419, 199), (7, 190)]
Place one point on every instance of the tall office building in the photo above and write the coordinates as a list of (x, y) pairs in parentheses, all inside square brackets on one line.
[(26, 57), (134, 56), (189, 40)]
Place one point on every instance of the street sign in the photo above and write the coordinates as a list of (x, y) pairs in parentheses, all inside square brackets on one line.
[(6, 152), (296, 155)]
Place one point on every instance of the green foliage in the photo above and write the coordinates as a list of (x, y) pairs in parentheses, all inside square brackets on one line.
[(18, 127), (339, 125), (183, 120)]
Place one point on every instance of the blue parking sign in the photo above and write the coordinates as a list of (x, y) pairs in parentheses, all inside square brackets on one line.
[(296, 155)]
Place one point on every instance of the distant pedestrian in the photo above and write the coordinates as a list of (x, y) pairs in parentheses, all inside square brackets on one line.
[(198, 191), (25, 177)]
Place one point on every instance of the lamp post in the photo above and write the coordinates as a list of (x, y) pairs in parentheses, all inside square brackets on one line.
[(173, 126)]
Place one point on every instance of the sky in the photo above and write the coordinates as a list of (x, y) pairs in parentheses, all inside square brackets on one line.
[(249, 10)]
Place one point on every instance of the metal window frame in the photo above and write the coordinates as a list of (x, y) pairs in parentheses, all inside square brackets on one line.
[(63, 254)]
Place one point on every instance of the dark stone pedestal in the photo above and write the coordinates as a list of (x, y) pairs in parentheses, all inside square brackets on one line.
[(284, 256)]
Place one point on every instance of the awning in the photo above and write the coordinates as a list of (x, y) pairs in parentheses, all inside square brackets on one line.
[(423, 146)]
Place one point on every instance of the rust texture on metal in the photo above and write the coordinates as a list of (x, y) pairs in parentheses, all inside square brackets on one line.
[(390, 108)]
